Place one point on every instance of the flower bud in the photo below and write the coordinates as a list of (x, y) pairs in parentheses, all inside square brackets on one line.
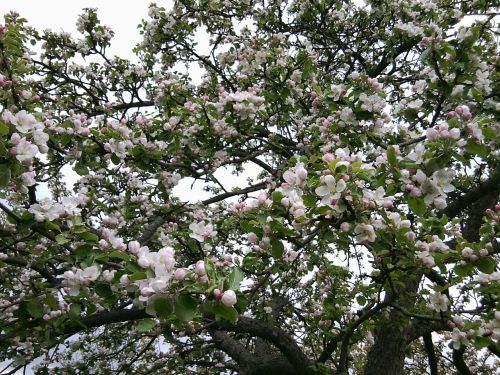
[(200, 268), (228, 298), (179, 274), (252, 237), (133, 247), (218, 293)]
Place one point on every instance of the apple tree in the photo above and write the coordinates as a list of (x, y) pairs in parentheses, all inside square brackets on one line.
[(324, 200)]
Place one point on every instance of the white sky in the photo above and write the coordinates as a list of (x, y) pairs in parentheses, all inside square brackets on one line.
[(122, 16)]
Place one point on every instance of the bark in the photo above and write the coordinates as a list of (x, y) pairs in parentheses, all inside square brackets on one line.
[(387, 354), (290, 360)]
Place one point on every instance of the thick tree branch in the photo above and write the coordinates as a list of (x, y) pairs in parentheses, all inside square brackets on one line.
[(488, 188), (279, 338), (459, 362)]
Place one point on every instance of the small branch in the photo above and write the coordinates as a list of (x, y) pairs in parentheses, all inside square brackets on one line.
[(431, 353)]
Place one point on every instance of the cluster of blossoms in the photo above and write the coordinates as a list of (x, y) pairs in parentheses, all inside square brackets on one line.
[(109, 239), (201, 231), (240, 208), (29, 138), (484, 328), (372, 103), (161, 263), (438, 302), (295, 180), (246, 103), (77, 278), (426, 250), (47, 209), (434, 189), (470, 254), (484, 278), (442, 131)]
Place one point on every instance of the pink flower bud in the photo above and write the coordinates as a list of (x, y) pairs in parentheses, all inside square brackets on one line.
[(179, 274), (432, 134), (328, 157), (252, 237), (200, 268), (105, 233), (134, 246), (121, 247), (228, 298), (388, 205), (410, 236), (345, 226), (467, 116), (262, 197), (218, 293), (204, 279)]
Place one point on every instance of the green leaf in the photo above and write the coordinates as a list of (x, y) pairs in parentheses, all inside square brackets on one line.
[(277, 248), (61, 240), (225, 312), (145, 325), (310, 200), (482, 342), (248, 226), (391, 156), (74, 310), (81, 169), (89, 236), (277, 196), (4, 175), (120, 255), (163, 307), (35, 309), (185, 307), (104, 291), (361, 300), (489, 133), (417, 205), (485, 265), (234, 279), (463, 270), (437, 163), (477, 149), (341, 168), (3, 150), (138, 276), (4, 128)]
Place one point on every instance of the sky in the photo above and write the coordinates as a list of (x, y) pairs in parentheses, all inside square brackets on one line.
[(122, 17)]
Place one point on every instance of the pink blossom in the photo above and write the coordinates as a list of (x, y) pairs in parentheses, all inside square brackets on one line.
[(228, 298)]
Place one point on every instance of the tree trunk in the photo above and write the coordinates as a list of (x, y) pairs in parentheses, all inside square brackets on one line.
[(387, 356)]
